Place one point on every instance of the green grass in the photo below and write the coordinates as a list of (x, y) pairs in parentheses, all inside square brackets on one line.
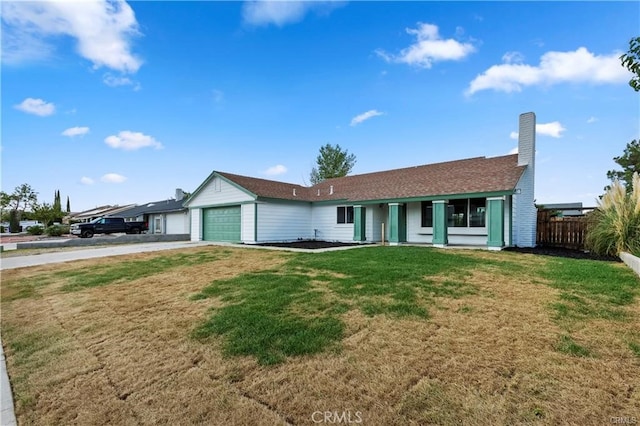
[(591, 289), (568, 346), (296, 310), (120, 272)]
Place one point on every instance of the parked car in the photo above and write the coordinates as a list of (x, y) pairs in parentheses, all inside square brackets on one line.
[(107, 225)]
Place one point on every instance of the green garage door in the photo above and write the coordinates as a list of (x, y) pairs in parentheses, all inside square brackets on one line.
[(221, 224)]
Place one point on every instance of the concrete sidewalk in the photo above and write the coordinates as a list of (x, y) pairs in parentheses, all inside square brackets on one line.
[(7, 415), (89, 253)]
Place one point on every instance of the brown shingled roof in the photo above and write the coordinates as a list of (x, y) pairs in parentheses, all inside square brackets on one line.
[(472, 175)]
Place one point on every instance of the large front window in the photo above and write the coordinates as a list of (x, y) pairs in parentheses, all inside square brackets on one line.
[(468, 213), (345, 214), (427, 214), (457, 213)]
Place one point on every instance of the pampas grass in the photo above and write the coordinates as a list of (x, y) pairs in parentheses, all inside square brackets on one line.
[(615, 225)]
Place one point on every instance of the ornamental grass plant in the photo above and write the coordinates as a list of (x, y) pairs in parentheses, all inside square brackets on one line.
[(615, 225)]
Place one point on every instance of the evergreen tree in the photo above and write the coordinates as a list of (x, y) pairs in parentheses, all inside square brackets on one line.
[(332, 162), (68, 205), (630, 163)]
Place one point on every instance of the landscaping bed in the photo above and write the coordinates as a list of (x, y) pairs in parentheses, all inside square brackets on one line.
[(563, 252), (309, 244)]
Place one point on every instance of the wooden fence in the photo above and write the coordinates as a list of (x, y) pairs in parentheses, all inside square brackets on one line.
[(567, 232)]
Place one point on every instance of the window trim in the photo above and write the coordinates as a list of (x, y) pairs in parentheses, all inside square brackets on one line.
[(347, 219)]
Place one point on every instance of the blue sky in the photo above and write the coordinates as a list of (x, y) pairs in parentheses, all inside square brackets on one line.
[(118, 103)]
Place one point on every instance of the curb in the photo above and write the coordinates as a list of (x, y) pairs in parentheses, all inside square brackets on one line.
[(7, 414)]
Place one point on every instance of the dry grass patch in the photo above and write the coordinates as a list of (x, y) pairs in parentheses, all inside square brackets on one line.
[(486, 352)]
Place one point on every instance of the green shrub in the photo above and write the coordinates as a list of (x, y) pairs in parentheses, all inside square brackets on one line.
[(615, 225), (35, 230), (57, 230)]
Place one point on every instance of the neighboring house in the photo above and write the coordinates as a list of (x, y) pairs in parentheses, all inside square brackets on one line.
[(475, 201), (89, 215), (567, 209), (162, 217)]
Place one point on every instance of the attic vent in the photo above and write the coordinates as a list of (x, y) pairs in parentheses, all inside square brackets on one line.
[(331, 190), (294, 192)]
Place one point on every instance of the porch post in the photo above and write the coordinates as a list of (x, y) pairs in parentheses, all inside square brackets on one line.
[(359, 223), (440, 225), (495, 223), (397, 225)]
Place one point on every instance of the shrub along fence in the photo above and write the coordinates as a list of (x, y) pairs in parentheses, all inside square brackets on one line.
[(561, 231)]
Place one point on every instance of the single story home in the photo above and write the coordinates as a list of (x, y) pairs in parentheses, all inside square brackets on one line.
[(475, 201), (163, 217)]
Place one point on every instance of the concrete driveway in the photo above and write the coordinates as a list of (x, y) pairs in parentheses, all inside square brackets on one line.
[(89, 253)]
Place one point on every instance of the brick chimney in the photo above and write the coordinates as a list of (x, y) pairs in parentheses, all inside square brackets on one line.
[(524, 209)]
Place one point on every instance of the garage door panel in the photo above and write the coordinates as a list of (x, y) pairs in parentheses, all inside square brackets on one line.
[(221, 224)]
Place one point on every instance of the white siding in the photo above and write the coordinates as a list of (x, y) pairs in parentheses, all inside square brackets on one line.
[(376, 215), (524, 209), (177, 223), (284, 222), (247, 234), (196, 224), (324, 219), (415, 232), (219, 192)]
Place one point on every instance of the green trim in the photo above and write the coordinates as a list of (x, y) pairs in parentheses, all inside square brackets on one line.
[(345, 201), (397, 223), (211, 206), (495, 222), (232, 183), (440, 225), (255, 222), (510, 220), (209, 179), (359, 223), (282, 200)]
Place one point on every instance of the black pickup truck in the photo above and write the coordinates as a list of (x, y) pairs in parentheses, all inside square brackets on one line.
[(107, 225)]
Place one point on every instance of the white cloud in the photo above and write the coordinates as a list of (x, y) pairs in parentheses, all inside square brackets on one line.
[(113, 178), (553, 129), (86, 180), (36, 107), (131, 141), (365, 116), (102, 29), (429, 48), (579, 66), (280, 13), (75, 131), (513, 151), (512, 58), (116, 81), (592, 119), (276, 170)]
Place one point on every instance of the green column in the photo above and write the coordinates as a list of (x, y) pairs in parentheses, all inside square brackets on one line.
[(495, 222), (397, 223), (359, 223), (440, 231)]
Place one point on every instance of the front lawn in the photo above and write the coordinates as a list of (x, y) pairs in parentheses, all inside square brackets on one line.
[(388, 335)]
